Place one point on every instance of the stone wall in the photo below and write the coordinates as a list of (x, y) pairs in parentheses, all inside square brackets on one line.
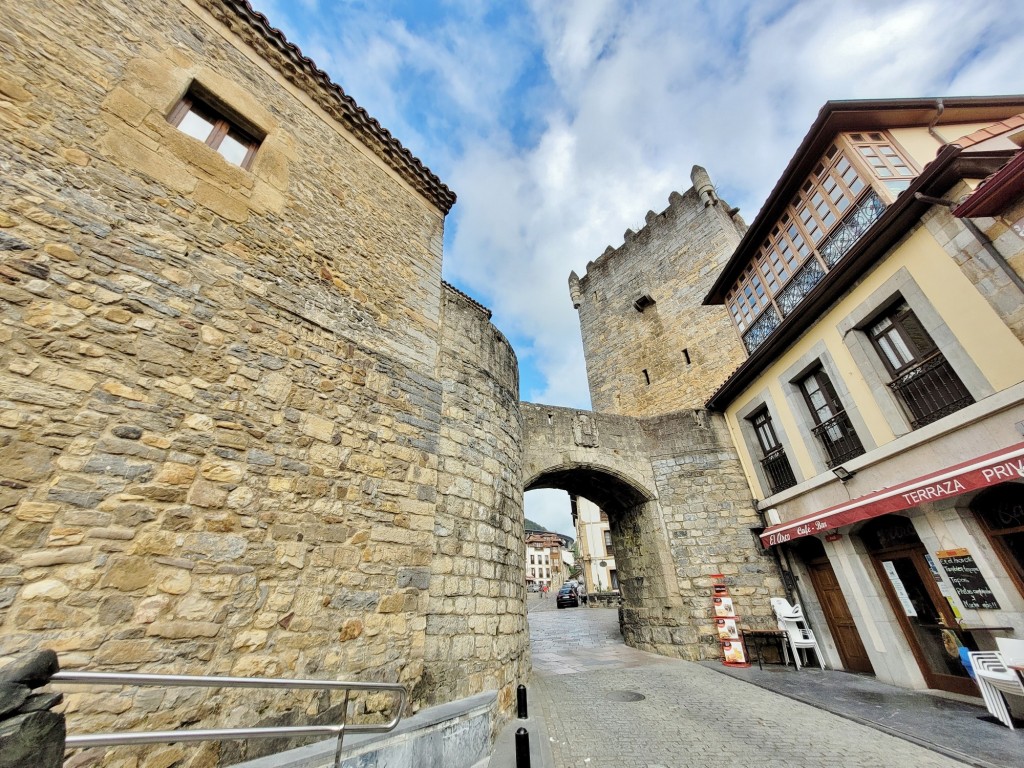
[(476, 637), (674, 260), (226, 440), (977, 264)]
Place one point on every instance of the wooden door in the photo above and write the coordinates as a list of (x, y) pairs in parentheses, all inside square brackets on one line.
[(837, 614), (927, 619)]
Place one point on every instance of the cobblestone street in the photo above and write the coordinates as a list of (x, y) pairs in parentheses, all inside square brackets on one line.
[(606, 705)]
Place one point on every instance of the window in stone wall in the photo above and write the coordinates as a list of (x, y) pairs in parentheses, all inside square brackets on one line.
[(197, 116)]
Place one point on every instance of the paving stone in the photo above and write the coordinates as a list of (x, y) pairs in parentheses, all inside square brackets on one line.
[(690, 715)]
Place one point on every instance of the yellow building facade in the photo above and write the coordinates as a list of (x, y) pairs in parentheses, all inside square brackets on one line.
[(879, 415)]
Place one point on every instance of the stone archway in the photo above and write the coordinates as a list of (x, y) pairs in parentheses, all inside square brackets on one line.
[(679, 510), (652, 609)]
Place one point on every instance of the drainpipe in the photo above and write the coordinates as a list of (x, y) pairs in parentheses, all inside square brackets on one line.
[(786, 575), (980, 236), (939, 109)]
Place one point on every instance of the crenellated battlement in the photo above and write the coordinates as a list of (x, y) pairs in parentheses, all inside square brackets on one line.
[(649, 341), (694, 200)]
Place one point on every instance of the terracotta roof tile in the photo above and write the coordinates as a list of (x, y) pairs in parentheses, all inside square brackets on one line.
[(996, 129)]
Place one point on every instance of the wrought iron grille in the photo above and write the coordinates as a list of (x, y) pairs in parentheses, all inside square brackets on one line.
[(761, 329), (810, 275), (778, 471), (931, 390), (854, 224), (839, 439)]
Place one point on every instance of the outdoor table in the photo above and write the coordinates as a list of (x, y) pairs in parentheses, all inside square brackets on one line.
[(759, 636)]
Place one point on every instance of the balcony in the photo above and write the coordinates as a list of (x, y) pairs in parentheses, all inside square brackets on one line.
[(778, 471), (839, 439), (867, 210), (930, 391)]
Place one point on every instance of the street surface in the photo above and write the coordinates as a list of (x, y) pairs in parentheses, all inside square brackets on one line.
[(606, 705)]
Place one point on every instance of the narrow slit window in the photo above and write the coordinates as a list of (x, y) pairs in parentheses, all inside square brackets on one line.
[(647, 376), (196, 117), (686, 356)]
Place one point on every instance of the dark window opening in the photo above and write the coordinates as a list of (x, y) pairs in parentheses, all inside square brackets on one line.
[(197, 116), (1001, 512), (647, 376), (922, 378), (686, 355), (643, 303), (774, 461), (833, 427)]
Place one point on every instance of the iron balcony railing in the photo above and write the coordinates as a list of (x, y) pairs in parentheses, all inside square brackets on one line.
[(778, 471), (225, 734), (839, 439), (931, 390)]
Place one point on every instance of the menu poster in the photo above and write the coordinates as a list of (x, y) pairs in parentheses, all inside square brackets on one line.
[(898, 588), (733, 652), (724, 607), (727, 629), (967, 580)]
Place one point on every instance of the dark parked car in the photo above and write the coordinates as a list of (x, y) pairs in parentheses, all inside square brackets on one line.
[(567, 597)]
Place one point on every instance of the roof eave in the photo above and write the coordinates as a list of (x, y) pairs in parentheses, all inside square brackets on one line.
[(837, 117), (271, 43), (997, 193)]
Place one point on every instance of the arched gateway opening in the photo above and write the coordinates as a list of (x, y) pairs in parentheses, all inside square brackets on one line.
[(678, 509), (644, 573)]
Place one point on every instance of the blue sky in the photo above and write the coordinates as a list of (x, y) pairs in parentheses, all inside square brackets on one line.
[(560, 123)]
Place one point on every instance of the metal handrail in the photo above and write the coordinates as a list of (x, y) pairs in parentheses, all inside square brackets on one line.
[(225, 734)]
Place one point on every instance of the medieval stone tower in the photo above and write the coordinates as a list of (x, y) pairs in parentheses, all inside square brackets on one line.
[(651, 347), (654, 356)]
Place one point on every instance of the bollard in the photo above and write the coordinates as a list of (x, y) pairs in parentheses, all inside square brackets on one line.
[(522, 748), (521, 702)]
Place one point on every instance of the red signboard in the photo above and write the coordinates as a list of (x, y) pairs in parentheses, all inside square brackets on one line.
[(990, 469)]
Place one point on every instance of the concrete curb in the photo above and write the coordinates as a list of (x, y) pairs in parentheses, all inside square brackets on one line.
[(452, 735)]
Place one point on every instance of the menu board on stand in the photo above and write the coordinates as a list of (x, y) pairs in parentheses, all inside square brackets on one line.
[(734, 654)]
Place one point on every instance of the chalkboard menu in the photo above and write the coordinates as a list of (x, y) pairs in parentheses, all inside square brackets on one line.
[(966, 578)]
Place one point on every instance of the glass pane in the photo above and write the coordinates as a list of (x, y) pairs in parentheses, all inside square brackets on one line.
[(195, 126), (233, 150)]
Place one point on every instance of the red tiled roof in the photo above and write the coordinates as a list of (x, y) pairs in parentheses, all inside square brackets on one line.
[(991, 131)]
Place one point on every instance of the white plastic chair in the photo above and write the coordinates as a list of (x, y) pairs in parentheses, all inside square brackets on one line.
[(994, 679), (1011, 650), (791, 621)]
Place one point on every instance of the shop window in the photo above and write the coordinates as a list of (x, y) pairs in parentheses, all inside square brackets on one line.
[(922, 378), (774, 461), (1001, 512), (196, 116), (833, 427)]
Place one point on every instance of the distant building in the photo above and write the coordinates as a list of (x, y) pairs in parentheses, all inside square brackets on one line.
[(596, 551), (548, 558)]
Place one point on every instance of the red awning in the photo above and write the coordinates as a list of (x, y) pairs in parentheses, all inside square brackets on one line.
[(981, 472)]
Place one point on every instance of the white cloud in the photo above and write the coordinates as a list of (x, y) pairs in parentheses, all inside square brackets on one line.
[(552, 168)]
